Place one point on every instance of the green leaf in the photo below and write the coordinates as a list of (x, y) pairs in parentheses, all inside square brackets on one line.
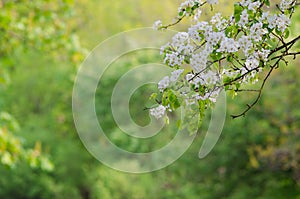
[(231, 30), (278, 32), (237, 85), (167, 120), (186, 60), (216, 56), (267, 2), (227, 80), (153, 96), (237, 12), (286, 33), (272, 43), (188, 9), (173, 100), (232, 93), (251, 14), (229, 58), (165, 99)]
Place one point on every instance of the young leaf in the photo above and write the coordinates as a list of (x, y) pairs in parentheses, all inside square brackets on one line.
[(237, 12)]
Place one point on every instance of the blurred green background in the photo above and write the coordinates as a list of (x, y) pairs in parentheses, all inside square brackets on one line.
[(42, 44)]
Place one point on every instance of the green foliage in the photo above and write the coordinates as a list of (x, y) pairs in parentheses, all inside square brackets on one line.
[(39, 25), (12, 151), (46, 122), (238, 9)]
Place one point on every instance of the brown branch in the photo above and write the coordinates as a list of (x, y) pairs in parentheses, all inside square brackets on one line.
[(173, 24), (240, 77), (257, 98), (207, 67), (260, 90), (290, 43), (245, 90), (287, 54), (180, 18)]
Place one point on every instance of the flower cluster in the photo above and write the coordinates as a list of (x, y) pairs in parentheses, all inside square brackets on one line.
[(158, 112), (287, 4), (244, 19), (157, 25), (250, 5), (222, 53), (280, 21), (187, 7)]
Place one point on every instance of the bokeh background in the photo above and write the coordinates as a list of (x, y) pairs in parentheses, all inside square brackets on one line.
[(42, 44)]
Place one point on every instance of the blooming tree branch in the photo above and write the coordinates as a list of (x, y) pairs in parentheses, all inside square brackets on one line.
[(226, 53)]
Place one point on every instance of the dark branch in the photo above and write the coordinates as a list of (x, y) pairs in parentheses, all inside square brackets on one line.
[(291, 43), (257, 98)]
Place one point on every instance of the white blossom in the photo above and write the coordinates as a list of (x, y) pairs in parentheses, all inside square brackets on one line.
[(264, 16), (212, 95), (198, 1), (187, 4), (249, 77), (257, 31), (157, 25), (214, 37), (158, 112), (208, 30), (254, 5), (197, 15), (228, 45), (216, 18), (186, 49), (189, 77), (280, 21), (197, 81), (194, 34), (251, 5), (272, 21), (196, 96), (206, 37), (182, 44), (208, 48), (163, 48), (244, 19), (245, 3), (164, 83), (175, 75), (218, 21), (262, 54), (286, 4), (209, 78), (173, 59), (252, 63), (198, 61), (179, 39), (245, 44), (193, 31), (222, 24)]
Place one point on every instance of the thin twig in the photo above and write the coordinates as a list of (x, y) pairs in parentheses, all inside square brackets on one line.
[(257, 98)]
